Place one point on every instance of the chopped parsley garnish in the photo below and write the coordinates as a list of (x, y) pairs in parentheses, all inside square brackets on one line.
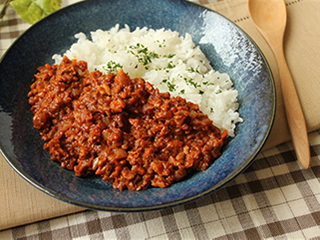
[(170, 65), (192, 70), (207, 83), (169, 55), (171, 87), (191, 82), (142, 53), (112, 66)]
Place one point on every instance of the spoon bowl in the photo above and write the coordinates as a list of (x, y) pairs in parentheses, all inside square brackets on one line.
[(272, 18)]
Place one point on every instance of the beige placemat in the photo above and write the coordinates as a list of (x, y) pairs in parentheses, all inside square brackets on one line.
[(21, 203), (302, 52)]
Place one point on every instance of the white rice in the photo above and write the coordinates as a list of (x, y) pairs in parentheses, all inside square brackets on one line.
[(168, 61)]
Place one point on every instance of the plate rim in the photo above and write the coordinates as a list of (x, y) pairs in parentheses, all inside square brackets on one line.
[(212, 189)]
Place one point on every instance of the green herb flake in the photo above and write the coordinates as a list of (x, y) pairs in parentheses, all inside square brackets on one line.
[(191, 82), (171, 87), (142, 53), (192, 70), (112, 66), (170, 65), (170, 55)]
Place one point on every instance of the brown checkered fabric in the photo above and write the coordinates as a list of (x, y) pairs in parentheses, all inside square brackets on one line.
[(273, 198)]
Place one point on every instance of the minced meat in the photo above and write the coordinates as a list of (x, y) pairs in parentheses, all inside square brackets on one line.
[(120, 128)]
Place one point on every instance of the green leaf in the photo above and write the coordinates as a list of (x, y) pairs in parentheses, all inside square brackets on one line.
[(32, 11)]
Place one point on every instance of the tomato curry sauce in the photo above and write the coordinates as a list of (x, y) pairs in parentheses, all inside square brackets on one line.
[(120, 128)]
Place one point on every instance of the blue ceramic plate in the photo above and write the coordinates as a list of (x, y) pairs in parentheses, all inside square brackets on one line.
[(228, 48)]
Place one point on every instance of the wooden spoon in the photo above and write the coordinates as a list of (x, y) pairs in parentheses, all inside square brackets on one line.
[(270, 18)]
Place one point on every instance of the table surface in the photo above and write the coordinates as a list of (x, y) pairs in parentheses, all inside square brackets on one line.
[(274, 197)]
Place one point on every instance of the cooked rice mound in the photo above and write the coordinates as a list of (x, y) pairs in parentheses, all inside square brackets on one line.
[(170, 62)]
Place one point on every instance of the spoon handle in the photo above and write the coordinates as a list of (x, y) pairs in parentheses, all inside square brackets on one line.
[(294, 113)]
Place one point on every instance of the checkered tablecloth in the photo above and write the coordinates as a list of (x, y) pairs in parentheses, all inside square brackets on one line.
[(273, 198)]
